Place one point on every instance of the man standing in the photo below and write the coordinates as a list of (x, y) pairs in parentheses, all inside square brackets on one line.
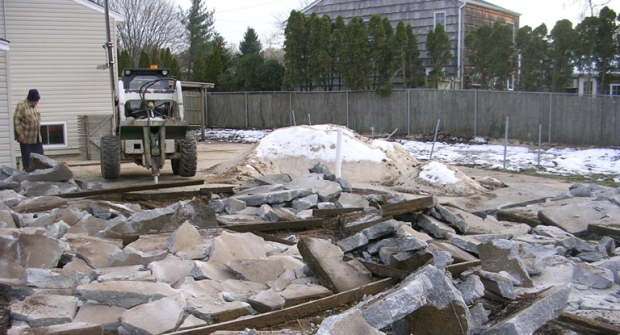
[(27, 121)]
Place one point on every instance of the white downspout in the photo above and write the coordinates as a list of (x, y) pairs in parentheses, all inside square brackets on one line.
[(459, 47)]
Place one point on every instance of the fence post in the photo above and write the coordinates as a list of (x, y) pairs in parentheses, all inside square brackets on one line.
[(435, 139), (348, 109), (550, 114), (506, 141), (247, 113), (476, 114), (408, 112), (290, 107), (539, 142)]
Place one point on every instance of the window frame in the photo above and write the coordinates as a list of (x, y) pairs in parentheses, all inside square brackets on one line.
[(64, 135), (510, 83), (611, 89), (435, 19)]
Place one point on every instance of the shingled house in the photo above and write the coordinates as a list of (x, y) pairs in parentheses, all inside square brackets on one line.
[(56, 47), (459, 18)]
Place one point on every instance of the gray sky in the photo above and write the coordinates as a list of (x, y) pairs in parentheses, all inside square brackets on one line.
[(233, 17)]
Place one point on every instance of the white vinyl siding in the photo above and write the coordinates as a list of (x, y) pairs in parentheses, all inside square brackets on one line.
[(7, 155), (56, 47)]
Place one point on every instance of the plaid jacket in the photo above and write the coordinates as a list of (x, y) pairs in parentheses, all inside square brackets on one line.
[(27, 122)]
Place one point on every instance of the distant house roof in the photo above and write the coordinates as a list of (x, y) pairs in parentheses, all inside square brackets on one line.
[(96, 6), (4, 44), (480, 3)]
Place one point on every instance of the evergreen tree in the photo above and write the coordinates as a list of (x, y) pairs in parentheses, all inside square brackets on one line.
[(438, 45), (198, 22), (162, 58), (563, 38), (250, 43), (214, 67), (355, 64), (501, 62), (585, 48), (398, 45), (413, 63), (145, 61), (534, 49), (199, 68), (168, 59), (124, 62), (377, 46), (271, 74), (607, 46), (296, 53), (155, 60), (249, 72), (337, 40), (320, 60), (175, 69)]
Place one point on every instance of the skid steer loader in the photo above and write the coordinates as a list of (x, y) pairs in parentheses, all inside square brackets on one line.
[(148, 126)]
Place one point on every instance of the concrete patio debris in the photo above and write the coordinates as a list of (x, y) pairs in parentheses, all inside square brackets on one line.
[(461, 267)]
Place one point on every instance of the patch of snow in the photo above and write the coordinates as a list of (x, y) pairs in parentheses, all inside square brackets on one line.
[(438, 173)]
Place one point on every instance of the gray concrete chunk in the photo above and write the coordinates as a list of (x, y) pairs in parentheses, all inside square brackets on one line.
[(256, 270), (593, 276), (41, 252), (349, 322), (498, 283), (184, 237), (547, 306), (435, 227), (45, 310), (126, 294), (277, 197), (106, 316), (471, 289), (306, 202), (503, 255), (326, 190), (161, 316), (267, 301)]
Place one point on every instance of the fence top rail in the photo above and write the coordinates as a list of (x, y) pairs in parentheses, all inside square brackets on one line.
[(417, 89)]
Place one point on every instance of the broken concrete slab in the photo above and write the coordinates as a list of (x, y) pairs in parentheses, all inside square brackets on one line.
[(57, 173), (171, 269), (498, 283), (575, 218), (612, 264), (11, 260), (39, 204), (276, 197), (41, 252), (267, 301), (240, 290), (593, 276), (105, 316), (149, 222), (453, 216), (131, 256), (349, 200), (295, 294), (353, 242), (191, 322), (47, 278), (326, 262), (204, 301), (256, 270), (384, 228), (45, 310), (232, 246), (349, 322), (186, 236), (96, 253), (306, 202), (73, 328), (547, 306), (195, 212), (325, 189), (406, 230), (161, 316), (503, 255), (126, 294), (434, 227), (471, 289), (457, 253), (526, 215)]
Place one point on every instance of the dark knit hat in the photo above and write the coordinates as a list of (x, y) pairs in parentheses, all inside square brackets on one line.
[(33, 95)]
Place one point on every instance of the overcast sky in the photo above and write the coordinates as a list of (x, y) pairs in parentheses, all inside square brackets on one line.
[(233, 17)]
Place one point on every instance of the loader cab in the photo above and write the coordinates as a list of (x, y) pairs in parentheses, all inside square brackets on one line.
[(145, 81)]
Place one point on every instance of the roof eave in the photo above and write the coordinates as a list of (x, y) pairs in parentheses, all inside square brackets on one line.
[(118, 18), (504, 10)]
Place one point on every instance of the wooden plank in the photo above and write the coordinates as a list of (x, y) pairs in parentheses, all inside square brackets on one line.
[(579, 324), (134, 188), (408, 206), (611, 230), (282, 225), (457, 269), (295, 312), (217, 189), (330, 213), (385, 271)]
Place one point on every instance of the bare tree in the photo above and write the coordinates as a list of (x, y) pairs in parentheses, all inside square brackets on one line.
[(148, 25), (589, 7)]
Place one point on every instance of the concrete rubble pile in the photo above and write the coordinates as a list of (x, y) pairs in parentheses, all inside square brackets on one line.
[(85, 266)]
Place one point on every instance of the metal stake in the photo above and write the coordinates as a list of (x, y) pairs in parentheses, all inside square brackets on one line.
[(435, 138)]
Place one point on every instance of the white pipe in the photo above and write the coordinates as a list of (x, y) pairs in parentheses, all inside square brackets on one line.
[(339, 154), (459, 66)]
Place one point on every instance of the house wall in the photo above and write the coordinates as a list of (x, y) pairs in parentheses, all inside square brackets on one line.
[(7, 158), (56, 47)]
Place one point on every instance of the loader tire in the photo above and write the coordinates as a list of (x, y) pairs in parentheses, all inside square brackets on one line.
[(176, 165), (110, 157), (187, 166)]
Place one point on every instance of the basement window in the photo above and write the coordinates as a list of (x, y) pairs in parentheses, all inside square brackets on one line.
[(54, 134)]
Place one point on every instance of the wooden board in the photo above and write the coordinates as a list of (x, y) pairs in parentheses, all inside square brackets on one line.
[(134, 188), (409, 206), (282, 225), (295, 312), (330, 213)]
